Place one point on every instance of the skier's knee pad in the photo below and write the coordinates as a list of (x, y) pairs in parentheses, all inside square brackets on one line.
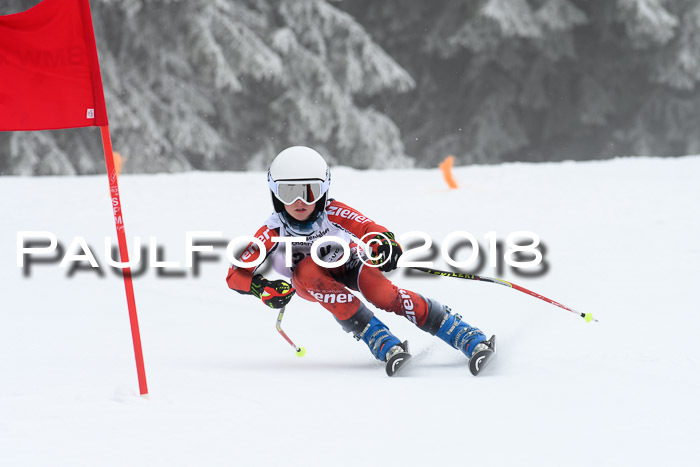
[(358, 321), (436, 316)]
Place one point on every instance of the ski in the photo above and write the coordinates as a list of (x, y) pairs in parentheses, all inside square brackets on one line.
[(481, 358), (398, 360)]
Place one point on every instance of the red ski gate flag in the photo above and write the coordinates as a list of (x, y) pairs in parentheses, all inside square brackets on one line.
[(49, 73), (50, 79)]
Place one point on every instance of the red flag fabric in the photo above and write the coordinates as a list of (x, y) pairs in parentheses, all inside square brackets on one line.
[(49, 73)]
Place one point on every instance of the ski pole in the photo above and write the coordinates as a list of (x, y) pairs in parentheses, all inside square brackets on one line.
[(587, 316), (300, 350)]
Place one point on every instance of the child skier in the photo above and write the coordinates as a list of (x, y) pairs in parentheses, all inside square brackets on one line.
[(299, 179)]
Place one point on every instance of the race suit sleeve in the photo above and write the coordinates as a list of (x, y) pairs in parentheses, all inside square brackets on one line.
[(239, 278), (352, 220)]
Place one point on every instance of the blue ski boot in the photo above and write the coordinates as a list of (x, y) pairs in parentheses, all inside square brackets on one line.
[(450, 328), (378, 338), (381, 342)]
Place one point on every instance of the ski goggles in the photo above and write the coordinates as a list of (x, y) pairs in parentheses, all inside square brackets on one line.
[(309, 191)]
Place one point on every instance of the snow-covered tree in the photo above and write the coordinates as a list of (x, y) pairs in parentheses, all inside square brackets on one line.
[(224, 84), (542, 79), (217, 84)]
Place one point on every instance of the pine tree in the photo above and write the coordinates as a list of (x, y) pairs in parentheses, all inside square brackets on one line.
[(215, 84), (505, 80)]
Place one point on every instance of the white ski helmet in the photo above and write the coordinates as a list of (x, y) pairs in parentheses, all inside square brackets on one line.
[(299, 173)]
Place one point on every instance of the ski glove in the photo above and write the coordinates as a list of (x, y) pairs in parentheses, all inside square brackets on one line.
[(386, 251), (275, 294)]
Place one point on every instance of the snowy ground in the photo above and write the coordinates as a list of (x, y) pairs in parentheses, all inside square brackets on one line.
[(621, 242)]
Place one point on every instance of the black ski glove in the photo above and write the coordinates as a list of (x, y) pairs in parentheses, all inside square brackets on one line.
[(386, 248), (275, 294)]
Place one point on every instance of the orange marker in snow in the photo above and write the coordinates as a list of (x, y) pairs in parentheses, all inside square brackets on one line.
[(118, 161), (446, 167)]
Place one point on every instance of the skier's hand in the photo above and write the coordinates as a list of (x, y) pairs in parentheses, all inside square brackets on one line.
[(275, 294), (385, 249)]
